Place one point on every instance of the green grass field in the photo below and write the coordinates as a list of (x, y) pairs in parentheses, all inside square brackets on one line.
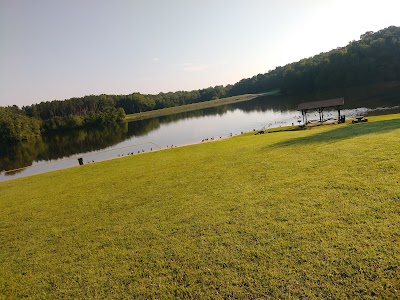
[(297, 214)]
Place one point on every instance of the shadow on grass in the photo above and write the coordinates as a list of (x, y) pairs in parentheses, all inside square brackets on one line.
[(342, 133)]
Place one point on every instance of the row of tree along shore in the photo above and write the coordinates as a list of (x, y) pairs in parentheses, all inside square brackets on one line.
[(374, 58)]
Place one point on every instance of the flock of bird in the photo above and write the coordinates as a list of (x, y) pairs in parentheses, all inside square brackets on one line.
[(168, 146)]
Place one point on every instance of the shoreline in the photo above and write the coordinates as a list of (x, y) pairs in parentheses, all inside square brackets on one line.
[(206, 140)]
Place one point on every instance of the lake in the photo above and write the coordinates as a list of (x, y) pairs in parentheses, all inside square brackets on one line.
[(61, 151)]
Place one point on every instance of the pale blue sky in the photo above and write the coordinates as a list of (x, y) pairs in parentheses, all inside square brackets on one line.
[(54, 49)]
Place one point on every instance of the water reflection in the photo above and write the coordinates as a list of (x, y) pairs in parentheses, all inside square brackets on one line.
[(144, 127), (20, 155), (81, 141)]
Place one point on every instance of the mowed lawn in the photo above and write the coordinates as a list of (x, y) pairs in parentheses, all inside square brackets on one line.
[(302, 214)]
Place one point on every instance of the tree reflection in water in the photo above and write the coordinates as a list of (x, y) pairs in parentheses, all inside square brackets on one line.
[(59, 145)]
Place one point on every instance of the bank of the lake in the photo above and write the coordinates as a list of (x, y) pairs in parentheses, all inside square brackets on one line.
[(312, 213), (61, 149)]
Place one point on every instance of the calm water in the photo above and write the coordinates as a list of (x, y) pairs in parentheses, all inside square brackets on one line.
[(62, 150)]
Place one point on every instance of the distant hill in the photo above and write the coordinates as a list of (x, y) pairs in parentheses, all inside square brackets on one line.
[(374, 58)]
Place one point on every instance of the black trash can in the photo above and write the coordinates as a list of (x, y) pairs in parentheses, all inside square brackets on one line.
[(342, 119), (80, 160)]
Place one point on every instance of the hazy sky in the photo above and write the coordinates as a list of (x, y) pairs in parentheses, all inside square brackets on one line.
[(58, 49)]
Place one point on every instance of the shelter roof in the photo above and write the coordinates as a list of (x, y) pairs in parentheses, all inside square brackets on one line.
[(321, 104)]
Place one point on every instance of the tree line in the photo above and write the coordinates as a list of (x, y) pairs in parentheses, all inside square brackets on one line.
[(374, 58)]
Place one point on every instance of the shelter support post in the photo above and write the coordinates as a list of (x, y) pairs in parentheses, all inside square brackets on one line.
[(304, 114), (321, 114)]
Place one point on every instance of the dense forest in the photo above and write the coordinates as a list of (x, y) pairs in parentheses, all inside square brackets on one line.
[(372, 59)]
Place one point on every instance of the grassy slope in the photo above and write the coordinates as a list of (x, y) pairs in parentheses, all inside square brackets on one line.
[(313, 213), (193, 106)]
